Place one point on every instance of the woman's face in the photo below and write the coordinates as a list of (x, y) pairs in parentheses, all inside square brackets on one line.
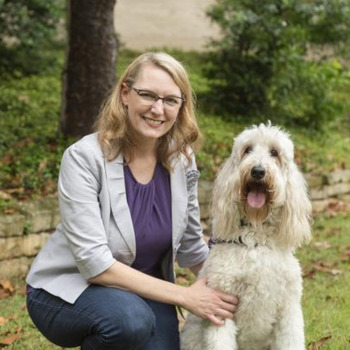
[(150, 117)]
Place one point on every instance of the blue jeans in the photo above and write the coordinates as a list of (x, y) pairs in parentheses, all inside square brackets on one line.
[(105, 318)]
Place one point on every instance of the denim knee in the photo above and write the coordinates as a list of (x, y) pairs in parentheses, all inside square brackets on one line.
[(134, 329)]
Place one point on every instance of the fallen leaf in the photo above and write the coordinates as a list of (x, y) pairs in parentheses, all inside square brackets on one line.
[(5, 196), (7, 286), (42, 166), (316, 345), (321, 268), (9, 211), (3, 320), (335, 206), (6, 289), (322, 245), (309, 274), (15, 190), (11, 339), (327, 263), (7, 159)]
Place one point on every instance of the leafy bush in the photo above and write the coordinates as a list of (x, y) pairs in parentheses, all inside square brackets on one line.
[(302, 94), (262, 64), (27, 29), (30, 146)]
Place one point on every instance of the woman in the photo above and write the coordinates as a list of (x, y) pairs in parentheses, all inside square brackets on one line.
[(129, 208)]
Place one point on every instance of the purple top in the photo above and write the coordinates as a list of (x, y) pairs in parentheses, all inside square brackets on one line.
[(150, 208)]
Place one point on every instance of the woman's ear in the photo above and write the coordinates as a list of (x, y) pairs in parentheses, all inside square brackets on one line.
[(124, 94)]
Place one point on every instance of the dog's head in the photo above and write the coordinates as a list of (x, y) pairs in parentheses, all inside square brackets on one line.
[(259, 179)]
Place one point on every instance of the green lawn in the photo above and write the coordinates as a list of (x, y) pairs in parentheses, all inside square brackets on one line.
[(326, 302)]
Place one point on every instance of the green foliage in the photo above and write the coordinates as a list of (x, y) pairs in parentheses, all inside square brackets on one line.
[(262, 65), (301, 93), (218, 136), (27, 29), (30, 147), (315, 152)]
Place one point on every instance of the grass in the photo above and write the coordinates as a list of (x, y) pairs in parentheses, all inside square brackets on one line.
[(326, 304), (326, 282)]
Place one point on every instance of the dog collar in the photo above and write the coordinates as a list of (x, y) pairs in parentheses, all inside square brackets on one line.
[(237, 241)]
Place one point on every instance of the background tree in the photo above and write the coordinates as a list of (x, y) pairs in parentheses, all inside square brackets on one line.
[(265, 64), (90, 63), (27, 29)]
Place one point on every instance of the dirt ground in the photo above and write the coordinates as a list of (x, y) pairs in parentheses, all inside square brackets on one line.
[(181, 24)]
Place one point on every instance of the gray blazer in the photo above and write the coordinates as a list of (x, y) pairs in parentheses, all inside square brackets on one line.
[(96, 227)]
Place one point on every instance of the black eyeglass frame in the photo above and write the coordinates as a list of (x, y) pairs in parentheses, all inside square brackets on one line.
[(138, 91)]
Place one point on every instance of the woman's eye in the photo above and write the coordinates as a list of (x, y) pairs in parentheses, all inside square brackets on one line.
[(274, 153), (148, 95), (171, 101)]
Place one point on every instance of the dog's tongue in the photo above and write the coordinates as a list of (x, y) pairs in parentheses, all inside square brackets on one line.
[(256, 199)]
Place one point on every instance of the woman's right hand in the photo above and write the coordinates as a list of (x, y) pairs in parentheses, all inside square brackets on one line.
[(209, 303)]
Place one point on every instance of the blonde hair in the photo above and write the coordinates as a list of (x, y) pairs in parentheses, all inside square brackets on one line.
[(113, 127)]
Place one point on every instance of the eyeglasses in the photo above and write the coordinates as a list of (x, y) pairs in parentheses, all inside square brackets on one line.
[(150, 97)]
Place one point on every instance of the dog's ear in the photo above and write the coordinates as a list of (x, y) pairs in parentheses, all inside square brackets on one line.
[(224, 210), (296, 213)]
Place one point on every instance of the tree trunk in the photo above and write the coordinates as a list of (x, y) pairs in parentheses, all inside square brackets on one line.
[(89, 73)]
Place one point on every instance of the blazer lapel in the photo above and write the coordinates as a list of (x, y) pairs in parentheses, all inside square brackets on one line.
[(119, 204), (178, 201)]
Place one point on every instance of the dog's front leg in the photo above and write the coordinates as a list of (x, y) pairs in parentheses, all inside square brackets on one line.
[(289, 331), (221, 337)]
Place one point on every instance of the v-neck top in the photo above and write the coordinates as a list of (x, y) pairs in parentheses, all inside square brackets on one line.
[(150, 208)]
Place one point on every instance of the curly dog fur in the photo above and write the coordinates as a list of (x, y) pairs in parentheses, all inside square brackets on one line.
[(260, 214)]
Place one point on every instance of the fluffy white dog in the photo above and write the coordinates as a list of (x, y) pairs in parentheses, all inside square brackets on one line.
[(260, 213)]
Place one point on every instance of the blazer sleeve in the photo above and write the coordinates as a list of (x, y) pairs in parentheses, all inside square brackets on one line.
[(193, 249), (78, 187)]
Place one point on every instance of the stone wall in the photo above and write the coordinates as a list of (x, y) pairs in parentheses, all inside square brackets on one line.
[(23, 233)]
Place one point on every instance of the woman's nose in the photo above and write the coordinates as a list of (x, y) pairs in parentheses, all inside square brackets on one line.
[(158, 107)]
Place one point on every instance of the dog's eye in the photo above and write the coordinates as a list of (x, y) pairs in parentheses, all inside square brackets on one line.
[(248, 150), (274, 153)]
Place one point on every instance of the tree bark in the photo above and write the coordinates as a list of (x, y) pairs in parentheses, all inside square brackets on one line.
[(89, 73)]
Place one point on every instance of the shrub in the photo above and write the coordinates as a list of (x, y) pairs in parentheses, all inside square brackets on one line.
[(27, 29), (262, 64), (30, 146)]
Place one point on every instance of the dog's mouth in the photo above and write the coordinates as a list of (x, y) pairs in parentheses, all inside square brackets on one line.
[(256, 194)]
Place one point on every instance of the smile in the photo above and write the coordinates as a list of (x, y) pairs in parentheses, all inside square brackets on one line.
[(153, 121)]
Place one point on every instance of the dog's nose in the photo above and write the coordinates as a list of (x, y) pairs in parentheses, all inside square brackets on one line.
[(258, 172)]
